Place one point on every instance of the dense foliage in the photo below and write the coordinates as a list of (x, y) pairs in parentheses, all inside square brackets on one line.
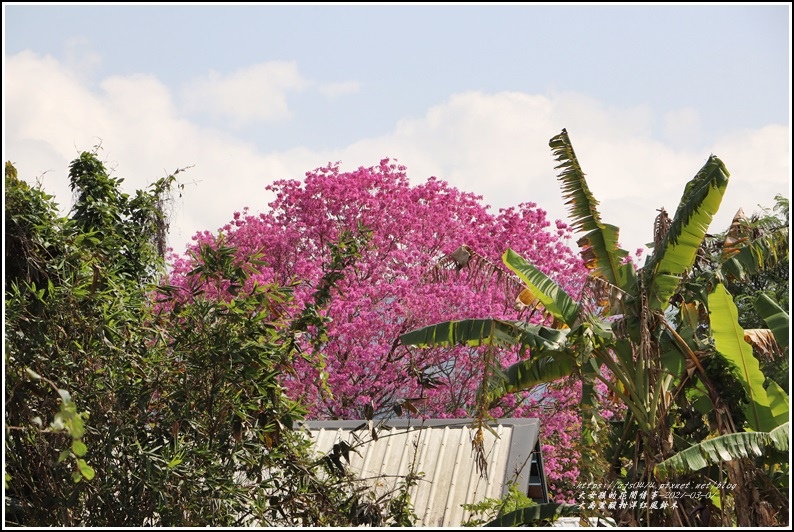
[(127, 405), (769, 227)]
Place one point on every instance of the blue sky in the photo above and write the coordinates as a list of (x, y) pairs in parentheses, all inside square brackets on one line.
[(246, 94)]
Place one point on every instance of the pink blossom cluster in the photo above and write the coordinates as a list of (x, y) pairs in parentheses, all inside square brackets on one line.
[(390, 291)]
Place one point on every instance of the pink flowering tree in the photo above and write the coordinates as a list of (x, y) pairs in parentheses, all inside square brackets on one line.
[(394, 287)]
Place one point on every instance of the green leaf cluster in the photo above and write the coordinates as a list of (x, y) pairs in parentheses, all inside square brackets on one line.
[(131, 402)]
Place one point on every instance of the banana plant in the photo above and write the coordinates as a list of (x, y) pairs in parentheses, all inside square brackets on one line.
[(615, 289), (625, 320), (551, 361)]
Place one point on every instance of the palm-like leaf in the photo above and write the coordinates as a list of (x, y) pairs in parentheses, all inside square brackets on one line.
[(723, 449), (600, 249), (778, 402), (677, 251), (548, 362)]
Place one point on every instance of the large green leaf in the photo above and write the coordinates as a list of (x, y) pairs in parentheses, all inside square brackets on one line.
[(538, 369), (775, 317), (778, 402), (530, 515), (600, 248), (722, 449), (487, 332), (677, 251), (729, 340), (664, 285), (549, 293)]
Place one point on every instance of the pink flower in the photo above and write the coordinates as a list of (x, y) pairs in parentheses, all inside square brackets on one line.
[(392, 290)]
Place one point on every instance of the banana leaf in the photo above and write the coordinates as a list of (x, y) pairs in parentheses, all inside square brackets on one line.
[(538, 369), (550, 294), (677, 251), (778, 402), (723, 449), (737, 236), (764, 343), (530, 515), (762, 253), (729, 340), (600, 249), (487, 332)]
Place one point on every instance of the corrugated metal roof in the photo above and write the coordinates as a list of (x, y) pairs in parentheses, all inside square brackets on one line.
[(441, 451)]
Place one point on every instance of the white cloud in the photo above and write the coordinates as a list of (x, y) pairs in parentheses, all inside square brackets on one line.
[(47, 113), (51, 118), (256, 93), (332, 90), (495, 145), (759, 161), (80, 57), (682, 127)]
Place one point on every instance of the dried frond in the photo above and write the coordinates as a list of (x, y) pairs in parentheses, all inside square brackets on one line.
[(461, 257), (525, 300), (480, 271), (661, 225), (455, 261), (764, 342), (645, 332), (737, 236), (478, 449), (600, 297)]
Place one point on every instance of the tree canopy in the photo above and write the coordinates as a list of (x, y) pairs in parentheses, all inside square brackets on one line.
[(399, 284)]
